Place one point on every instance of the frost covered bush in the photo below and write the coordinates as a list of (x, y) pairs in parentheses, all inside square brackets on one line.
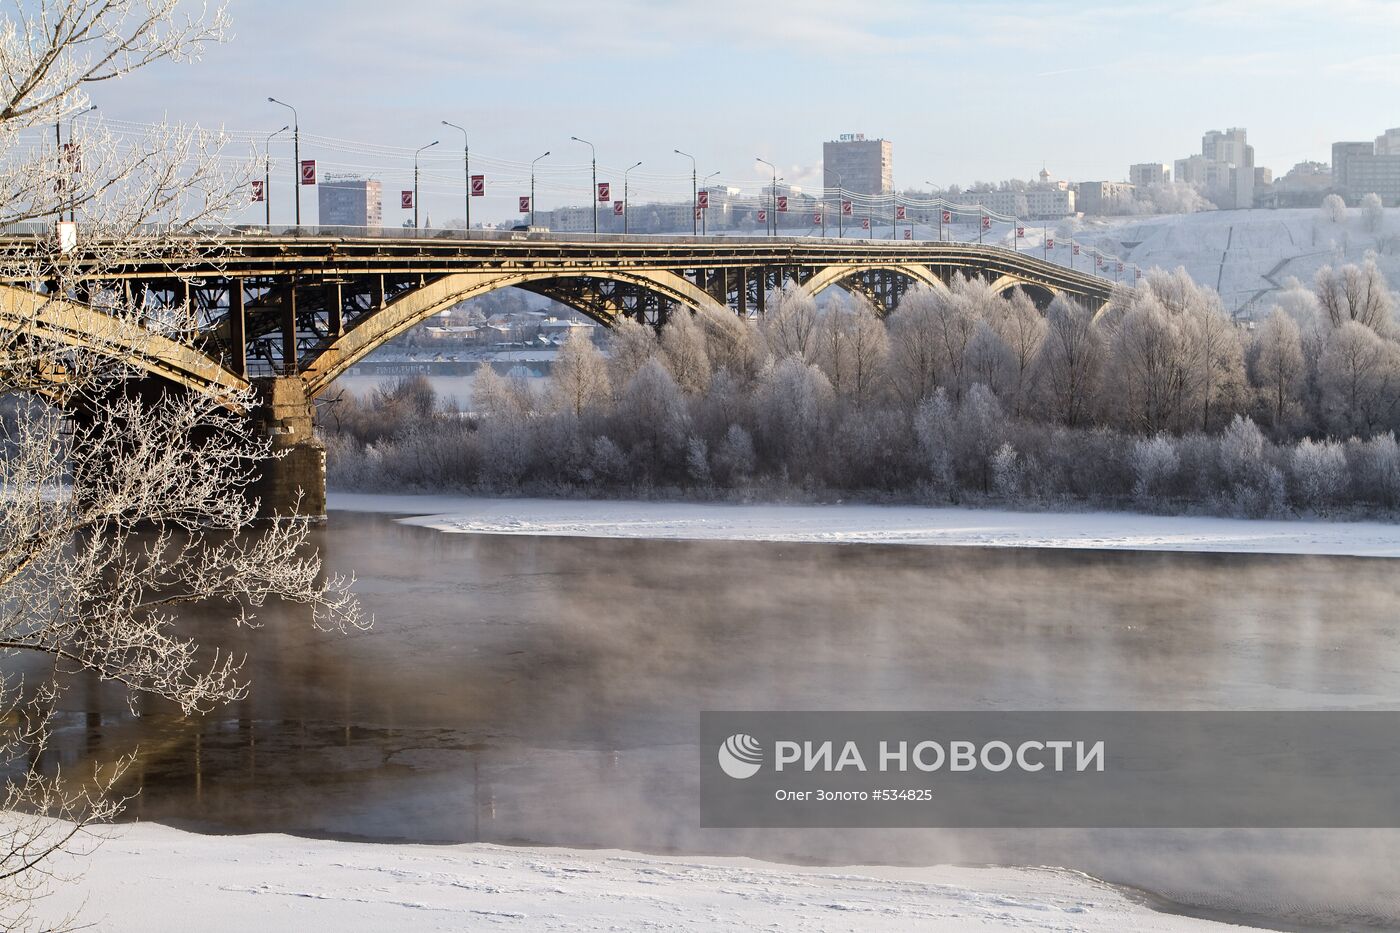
[(1154, 461), (1319, 472), (1254, 486)]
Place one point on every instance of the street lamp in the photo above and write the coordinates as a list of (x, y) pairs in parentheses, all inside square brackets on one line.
[(532, 186), (694, 193), (626, 200), (840, 203), (72, 168), (415, 180), (938, 207), (296, 154), (704, 216), (466, 174), (593, 193), (773, 194), (267, 173)]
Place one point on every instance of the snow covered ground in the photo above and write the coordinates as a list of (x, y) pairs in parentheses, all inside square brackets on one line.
[(877, 524), (148, 878)]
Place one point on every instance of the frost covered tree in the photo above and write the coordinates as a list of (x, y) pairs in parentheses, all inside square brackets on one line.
[(1022, 329), (853, 349), (793, 409), (1278, 367), (916, 344), (630, 345), (935, 427), (1359, 376), (652, 417), (1070, 363), (1373, 212), (683, 350), (579, 376), (1334, 209), (1356, 293), (790, 324), (122, 500)]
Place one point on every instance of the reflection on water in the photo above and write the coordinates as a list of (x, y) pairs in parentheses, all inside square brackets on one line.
[(546, 691)]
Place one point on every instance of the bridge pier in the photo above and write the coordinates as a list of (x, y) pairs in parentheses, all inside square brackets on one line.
[(294, 482)]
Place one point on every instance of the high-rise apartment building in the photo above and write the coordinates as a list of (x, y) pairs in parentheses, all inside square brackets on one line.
[(1225, 168), (351, 202), (1149, 173), (858, 165)]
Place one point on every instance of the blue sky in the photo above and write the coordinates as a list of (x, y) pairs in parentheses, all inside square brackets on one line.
[(966, 91)]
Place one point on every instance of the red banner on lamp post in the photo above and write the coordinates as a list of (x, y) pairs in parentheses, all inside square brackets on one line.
[(478, 186), (702, 200), (604, 192), (782, 204), (525, 204), (986, 223), (947, 217), (899, 213), (908, 233), (865, 223), (308, 171), (848, 208), (618, 208), (406, 200), (763, 217), (258, 194)]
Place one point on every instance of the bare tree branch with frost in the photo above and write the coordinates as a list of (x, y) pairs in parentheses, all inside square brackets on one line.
[(122, 498)]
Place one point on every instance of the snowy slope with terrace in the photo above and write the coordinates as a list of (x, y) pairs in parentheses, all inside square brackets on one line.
[(1244, 255)]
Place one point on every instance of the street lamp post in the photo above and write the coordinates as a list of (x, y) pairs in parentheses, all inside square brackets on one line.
[(68, 187), (694, 194), (938, 207), (773, 195), (532, 186), (840, 203), (267, 174), (466, 173), (593, 193), (626, 195), (704, 215), (296, 155), (415, 180)]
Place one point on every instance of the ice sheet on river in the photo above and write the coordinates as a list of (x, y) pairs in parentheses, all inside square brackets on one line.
[(878, 524)]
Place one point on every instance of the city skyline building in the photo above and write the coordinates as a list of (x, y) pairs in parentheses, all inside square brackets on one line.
[(347, 201), (858, 165)]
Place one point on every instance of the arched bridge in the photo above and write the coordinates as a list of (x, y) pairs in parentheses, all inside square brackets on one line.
[(291, 313)]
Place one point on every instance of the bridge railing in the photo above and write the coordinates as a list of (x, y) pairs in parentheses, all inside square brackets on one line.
[(255, 232)]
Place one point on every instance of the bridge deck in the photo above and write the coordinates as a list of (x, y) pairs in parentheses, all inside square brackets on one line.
[(322, 253)]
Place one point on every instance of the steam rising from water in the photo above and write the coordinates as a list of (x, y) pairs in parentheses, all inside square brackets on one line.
[(547, 691)]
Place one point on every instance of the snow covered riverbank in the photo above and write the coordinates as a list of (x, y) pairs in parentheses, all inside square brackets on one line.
[(151, 878), (877, 524)]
